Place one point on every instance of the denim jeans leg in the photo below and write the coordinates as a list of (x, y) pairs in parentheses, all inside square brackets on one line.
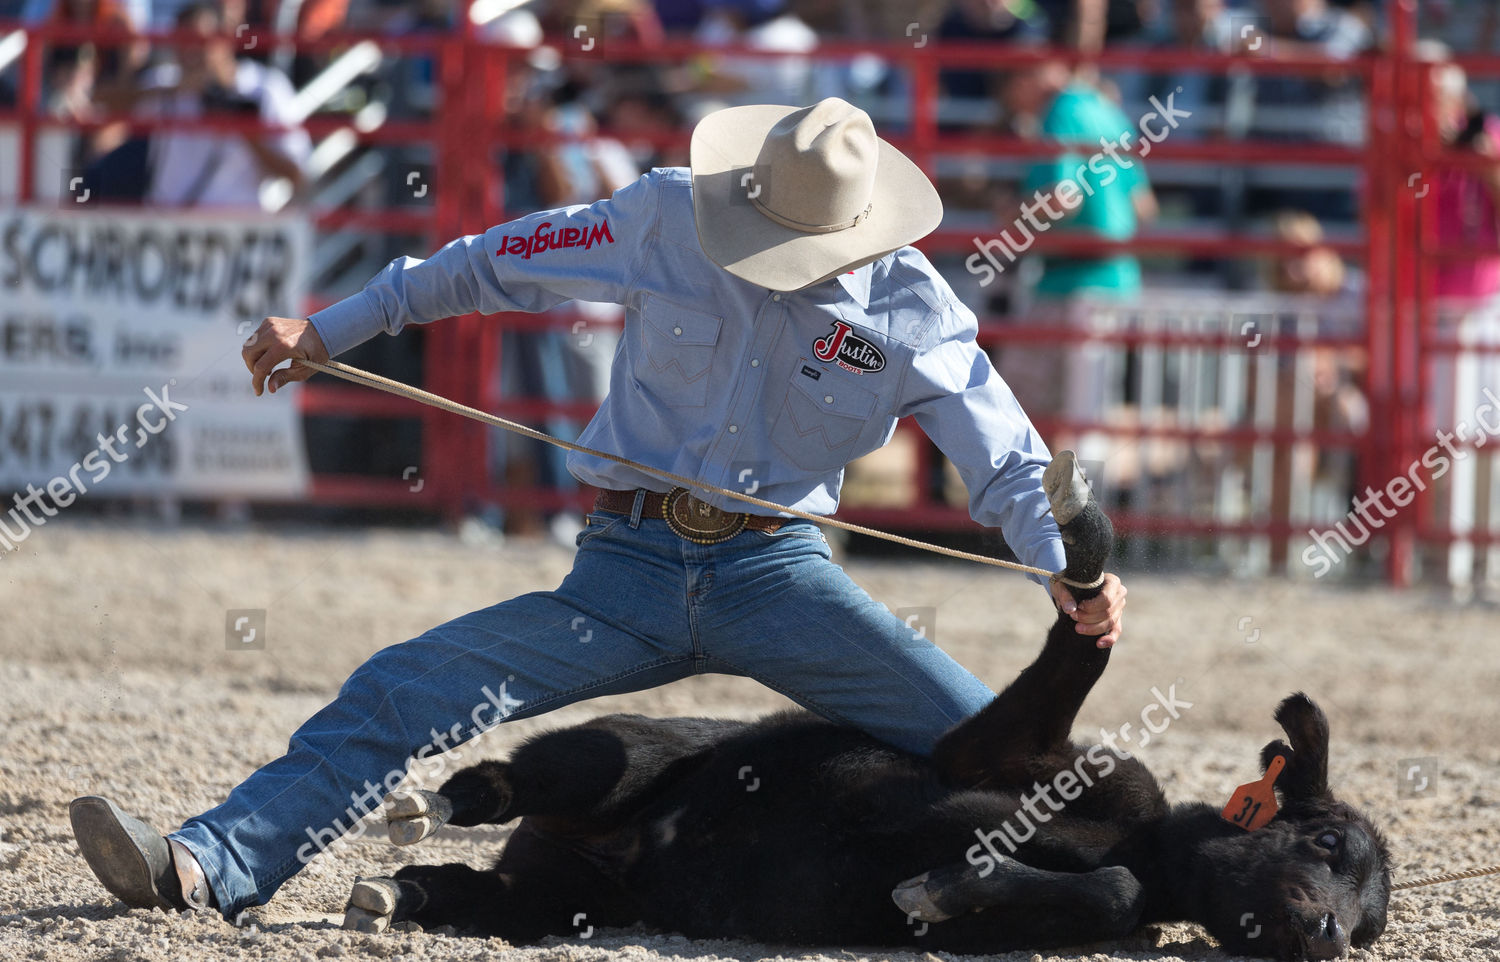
[(784, 614), (616, 624)]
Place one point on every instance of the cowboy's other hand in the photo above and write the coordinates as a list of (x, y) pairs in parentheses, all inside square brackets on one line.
[(1100, 615), (279, 339)]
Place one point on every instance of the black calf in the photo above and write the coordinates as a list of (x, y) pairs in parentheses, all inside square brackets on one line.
[(795, 830)]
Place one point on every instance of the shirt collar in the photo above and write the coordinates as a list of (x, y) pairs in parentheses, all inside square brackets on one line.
[(857, 284)]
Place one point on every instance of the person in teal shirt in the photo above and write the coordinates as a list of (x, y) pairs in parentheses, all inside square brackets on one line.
[(1116, 195)]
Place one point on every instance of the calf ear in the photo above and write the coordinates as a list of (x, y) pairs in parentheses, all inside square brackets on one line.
[(1306, 774)]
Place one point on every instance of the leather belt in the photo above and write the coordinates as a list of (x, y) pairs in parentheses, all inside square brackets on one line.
[(690, 519)]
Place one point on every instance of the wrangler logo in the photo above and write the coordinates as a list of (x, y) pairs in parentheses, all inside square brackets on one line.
[(848, 350), (541, 240)]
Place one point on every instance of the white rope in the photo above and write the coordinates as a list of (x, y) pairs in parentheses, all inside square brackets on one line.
[(1447, 877), (357, 376)]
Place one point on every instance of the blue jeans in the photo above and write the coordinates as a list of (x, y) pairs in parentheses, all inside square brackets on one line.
[(641, 608)]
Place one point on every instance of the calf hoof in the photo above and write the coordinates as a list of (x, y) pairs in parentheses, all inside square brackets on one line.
[(372, 905), (1067, 489), (1087, 535), (913, 898), (415, 815), (378, 904), (953, 890)]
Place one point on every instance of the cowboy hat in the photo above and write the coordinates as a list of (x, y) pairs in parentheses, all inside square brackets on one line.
[(785, 197)]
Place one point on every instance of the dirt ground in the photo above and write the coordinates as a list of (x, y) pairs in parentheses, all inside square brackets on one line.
[(116, 678)]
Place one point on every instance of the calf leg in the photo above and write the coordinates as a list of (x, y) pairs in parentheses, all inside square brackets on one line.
[(1035, 713), (590, 777), (541, 886), (1022, 907)]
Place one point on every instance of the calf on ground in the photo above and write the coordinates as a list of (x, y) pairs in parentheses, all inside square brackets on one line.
[(795, 830)]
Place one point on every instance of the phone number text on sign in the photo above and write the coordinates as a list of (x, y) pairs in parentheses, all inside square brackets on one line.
[(40, 438)]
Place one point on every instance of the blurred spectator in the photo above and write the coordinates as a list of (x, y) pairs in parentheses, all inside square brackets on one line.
[(1334, 396), (1368, 11), (76, 74), (1103, 193), (1200, 26), (1466, 199), (866, 76), (1025, 96), (196, 168), (998, 21), (759, 25), (304, 19), (588, 22), (1312, 28), (1087, 25), (1466, 215), (1316, 269), (1308, 28), (412, 79), (1328, 106), (1079, 24), (582, 25), (640, 118), (1219, 103), (1116, 195)]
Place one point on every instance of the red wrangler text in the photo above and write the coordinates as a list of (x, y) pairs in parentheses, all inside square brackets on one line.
[(543, 240)]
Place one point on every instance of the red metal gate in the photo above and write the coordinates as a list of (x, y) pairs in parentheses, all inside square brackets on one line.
[(470, 132)]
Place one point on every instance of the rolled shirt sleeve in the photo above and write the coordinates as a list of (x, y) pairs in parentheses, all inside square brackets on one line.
[(530, 264), (966, 409)]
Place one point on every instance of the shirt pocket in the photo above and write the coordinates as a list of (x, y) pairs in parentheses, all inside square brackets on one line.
[(820, 424), (679, 343)]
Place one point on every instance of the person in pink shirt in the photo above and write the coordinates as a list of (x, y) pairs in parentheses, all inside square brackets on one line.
[(1466, 214)]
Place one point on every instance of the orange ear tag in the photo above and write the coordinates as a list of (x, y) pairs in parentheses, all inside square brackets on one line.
[(1253, 804)]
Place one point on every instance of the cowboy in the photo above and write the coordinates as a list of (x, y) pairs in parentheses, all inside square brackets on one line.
[(777, 325)]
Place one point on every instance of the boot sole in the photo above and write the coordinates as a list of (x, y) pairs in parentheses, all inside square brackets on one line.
[(112, 853)]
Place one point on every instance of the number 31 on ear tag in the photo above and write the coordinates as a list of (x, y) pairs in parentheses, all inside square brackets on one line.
[(1253, 804)]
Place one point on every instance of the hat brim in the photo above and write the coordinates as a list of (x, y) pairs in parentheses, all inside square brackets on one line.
[(735, 235)]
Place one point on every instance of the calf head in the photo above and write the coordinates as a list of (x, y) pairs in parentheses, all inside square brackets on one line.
[(1315, 880)]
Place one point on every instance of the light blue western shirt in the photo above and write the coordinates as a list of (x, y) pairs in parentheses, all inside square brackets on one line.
[(738, 386)]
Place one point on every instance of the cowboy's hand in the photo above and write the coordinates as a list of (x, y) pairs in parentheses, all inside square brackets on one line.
[(279, 339), (1100, 615)]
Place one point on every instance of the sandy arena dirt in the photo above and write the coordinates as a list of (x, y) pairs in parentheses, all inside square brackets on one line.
[(116, 679)]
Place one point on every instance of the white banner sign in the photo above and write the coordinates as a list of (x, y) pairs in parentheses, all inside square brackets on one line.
[(120, 369)]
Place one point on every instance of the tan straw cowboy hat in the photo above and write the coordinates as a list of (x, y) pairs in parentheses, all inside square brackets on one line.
[(785, 196)]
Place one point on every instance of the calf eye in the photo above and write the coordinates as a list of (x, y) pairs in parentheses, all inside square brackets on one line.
[(1329, 840)]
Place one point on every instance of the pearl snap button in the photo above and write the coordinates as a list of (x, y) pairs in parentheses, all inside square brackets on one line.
[(828, 399), (734, 429), (755, 362), (775, 297), (676, 330)]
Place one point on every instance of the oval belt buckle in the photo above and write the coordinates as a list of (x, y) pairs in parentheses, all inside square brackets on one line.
[(698, 521)]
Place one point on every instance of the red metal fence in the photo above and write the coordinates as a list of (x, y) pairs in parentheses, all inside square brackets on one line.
[(1399, 336)]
